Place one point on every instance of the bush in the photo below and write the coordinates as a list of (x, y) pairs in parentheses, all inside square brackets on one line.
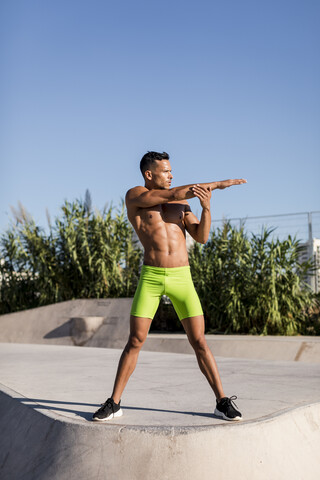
[(84, 255), (252, 285), (246, 285)]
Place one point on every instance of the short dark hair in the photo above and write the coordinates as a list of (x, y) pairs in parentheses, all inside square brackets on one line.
[(149, 158)]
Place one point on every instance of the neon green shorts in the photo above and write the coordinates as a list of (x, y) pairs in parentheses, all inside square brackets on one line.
[(176, 283)]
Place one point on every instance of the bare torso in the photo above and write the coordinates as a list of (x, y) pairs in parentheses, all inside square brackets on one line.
[(161, 230)]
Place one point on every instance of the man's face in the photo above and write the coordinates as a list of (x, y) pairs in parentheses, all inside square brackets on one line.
[(161, 174)]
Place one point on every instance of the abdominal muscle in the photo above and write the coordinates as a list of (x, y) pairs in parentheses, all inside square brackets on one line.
[(164, 245)]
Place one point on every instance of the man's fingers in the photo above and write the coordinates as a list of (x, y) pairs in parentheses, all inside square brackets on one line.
[(236, 181), (240, 180), (201, 192), (230, 183)]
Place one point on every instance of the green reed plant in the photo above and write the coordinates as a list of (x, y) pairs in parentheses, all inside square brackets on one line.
[(85, 254), (252, 285)]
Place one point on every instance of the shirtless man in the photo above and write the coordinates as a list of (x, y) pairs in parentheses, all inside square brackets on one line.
[(161, 215)]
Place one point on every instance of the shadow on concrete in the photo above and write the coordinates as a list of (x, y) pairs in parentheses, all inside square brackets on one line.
[(62, 331), (38, 403)]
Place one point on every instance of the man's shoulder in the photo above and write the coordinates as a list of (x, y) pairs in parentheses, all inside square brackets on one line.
[(134, 191), (137, 189)]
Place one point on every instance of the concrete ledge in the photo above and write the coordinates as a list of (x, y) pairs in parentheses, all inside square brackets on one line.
[(105, 323), (298, 349), (42, 445)]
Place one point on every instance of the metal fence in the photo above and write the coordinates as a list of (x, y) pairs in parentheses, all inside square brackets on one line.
[(304, 226)]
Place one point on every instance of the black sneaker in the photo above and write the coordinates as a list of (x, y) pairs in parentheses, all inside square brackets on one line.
[(226, 410), (107, 411)]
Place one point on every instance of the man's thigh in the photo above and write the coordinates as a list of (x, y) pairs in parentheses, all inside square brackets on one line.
[(194, 327), (139, 327), (147, 296)]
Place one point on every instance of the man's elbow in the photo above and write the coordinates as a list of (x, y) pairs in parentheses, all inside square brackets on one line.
[(175, 194), (199, 236), (203, 240)]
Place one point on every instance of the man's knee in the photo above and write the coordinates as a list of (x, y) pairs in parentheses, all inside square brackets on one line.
[(199, 343), (135, 342)]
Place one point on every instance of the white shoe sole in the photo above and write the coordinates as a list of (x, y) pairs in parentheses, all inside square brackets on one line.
[(222, 415), (119, 413)]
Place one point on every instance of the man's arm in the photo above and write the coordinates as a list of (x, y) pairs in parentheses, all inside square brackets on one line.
[(142, 197), (199, 231)]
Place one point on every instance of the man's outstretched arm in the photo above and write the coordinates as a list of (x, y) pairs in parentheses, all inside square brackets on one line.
[(142, 197)]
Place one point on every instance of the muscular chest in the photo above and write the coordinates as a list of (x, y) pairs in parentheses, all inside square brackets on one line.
[(167, 213)]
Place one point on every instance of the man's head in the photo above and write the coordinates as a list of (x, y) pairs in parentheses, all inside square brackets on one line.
[(156, 170)]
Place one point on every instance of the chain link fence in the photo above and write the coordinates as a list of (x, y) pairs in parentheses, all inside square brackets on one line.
[(304, 226)]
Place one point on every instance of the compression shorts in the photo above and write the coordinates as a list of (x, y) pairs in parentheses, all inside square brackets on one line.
[(174, 282)]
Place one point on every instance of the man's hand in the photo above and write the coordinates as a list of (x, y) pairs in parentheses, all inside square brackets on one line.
[(204, 195), (228, 183)]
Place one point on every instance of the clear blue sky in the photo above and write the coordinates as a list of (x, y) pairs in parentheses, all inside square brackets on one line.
[(229, 89)]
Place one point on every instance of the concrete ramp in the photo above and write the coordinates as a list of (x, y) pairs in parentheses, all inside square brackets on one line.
[(168, 431), (96, 322), (41, 445)]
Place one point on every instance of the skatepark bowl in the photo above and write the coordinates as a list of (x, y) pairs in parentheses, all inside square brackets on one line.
[(49, 392)]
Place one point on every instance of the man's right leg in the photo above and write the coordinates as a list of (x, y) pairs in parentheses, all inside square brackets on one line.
[(139, 328), (144, 306)]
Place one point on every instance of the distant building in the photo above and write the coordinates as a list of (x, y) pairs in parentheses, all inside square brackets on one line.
[(312, 251)]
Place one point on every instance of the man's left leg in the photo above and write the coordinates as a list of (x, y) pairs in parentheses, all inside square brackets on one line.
[(194, 327)]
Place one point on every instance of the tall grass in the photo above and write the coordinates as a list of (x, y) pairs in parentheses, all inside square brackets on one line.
[(85, 254), (252, 285), (246, 284)]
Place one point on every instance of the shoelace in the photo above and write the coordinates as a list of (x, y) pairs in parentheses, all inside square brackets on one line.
[(230, 401), (107, 403)]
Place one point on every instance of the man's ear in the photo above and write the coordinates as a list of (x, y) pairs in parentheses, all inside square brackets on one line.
[(148, 174)]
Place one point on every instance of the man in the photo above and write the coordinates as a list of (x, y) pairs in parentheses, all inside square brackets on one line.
[(161, 216)]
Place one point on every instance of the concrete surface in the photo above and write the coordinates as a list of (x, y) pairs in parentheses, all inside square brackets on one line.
[(60, 323), (105, 323), (168, 430)]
